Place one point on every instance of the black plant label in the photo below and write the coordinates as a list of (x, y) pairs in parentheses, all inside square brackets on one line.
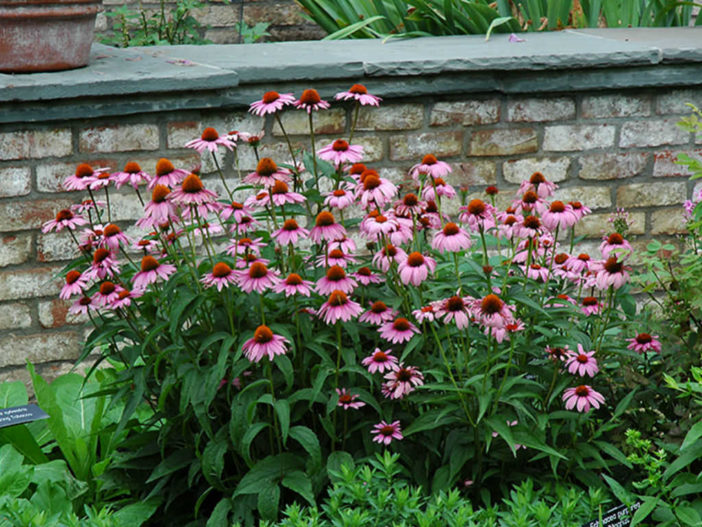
[(18, 415)]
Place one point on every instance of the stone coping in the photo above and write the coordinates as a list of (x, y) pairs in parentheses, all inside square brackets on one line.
[(139, 80)]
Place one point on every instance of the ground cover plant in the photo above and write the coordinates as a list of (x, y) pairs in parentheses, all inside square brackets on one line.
[(312, 313)]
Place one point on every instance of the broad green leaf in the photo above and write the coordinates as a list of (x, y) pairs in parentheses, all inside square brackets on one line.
[(692, 436), (268, 500), (282, 410), (299, 482), (335, 462), (649, 503), (265, 472), (220, 514), (136, 514), (495, 23), (308, 440)]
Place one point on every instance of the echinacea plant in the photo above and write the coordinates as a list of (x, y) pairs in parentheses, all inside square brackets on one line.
[(265, 338)]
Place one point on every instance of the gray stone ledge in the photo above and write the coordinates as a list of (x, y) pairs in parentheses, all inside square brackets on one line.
[(143, 80)]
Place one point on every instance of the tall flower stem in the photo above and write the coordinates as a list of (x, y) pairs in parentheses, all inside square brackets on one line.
[(109, 209), (221, 176), (287, 140), (314, 151), (355, 120)]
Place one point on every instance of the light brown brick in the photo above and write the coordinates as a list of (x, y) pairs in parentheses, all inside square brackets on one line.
[(15, 249), (217, 15), (554, 168), (275, 13), (25, 215), (592, 197), (391, 117), (372, 147), (180, 132), (675, 102), (278, 152), (612, 166), (16, 350), (539, 109), (29, 283), (15, 181), (15, 316), (572, 138), (602, 106), (651, 194), (665, 166), (416, 146), (595, 225), (297, 123), (119, 138), (50, 177), (466, 113), (475, 172), (503, 142), (669, 220), (652, 133), (55, 246), (35, 144), (54, 314)]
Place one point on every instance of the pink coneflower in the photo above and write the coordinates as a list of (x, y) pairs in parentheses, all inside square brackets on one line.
[(167, 174), (402, 381), (125, 297), (340, 198), (611, 272), (426, 313), (558, 215), (82, 306), (192, 192), (235, 209), (492, 311), (583, 397), (451, 238), (409, 205), (159, 210), (335, 279), (83, 177), (281, 194), (340, 152), (439, 188), (579, 209), (310, 100), (615, 245), (416, 268), (380, 361), (557, 353), (294, 285), (398, 330), (245, 245), (500, 334), (374, 190), (538, 184), (250, 259), (375, 225), (579, 264), (106, 294), (478, 214), (530, 227), (509, 225), (338, 307), (644, 342), (132, 174), (210, 140), (385, 433), (75, 284), (403, 233), (335, 257), (582, 363), (387, 255), (530, 201), (290, 232), (103, 265), (271, 102), (538, 272), (455, 309), (347, 400), (113, 237), (359, 93), (64, 219), (431, 167), (151, 271), (264, 343), (378, 314), (326, 228), (591, 306), (345, 244), (366, 276), (87, 205), (244, 225), (257, 278), (101, 180), (267, 173), (221, 276)]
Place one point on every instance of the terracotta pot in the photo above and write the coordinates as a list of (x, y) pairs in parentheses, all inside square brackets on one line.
[(46, 35)]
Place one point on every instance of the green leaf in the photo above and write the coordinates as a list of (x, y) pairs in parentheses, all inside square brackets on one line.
[(282, 409), (14, 478), (495, 23), (335, 461), (649, 503), (250, 434), (176, 461), (220, 514), (308, 440), (136, 514), (692, 436), (13, 394), (268, 499), (267, 471), (688, 516), (613, 452), (619, 491), (299, 482), (353, 28), (686, 457)]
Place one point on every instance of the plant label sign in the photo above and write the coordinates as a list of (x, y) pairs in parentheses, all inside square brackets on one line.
[(18, 415), (616, 517)]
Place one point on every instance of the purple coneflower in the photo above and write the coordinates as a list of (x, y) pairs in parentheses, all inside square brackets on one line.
[(192, 192), (294, 285), (378, 314), (451, 238), (151, 271), (264, 343), (267, 173), (221, 276), (426, 313), (340, 152), (83, 177), (366, 276), (416, 268), (132, 174), (430, 166), (379, 361), (271, 102), (373, 189), (159, 210), (359, 93), (347, 400), (257, 278), (409, 205), (310, 100), (644, 342), (210, 140), (64, 219), (611, 272), (82, 306), (338, 307), (167, 174), (492, 311), (340, 198), (615, 245), (326, 228), (103, 265), (478, 214), (591, 306), (538, 184), (439, 188), (75, 284), (398, 330), (583, 397), (402, 381), (113, 237), (106, 294), (281, 194), (454, 309), (335, 279), (385, 433), (558, 215), (335, 257), (582, 363), (289, 232)]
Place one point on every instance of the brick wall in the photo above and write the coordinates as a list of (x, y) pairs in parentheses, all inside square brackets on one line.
[(221, 20), (607, 149)]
